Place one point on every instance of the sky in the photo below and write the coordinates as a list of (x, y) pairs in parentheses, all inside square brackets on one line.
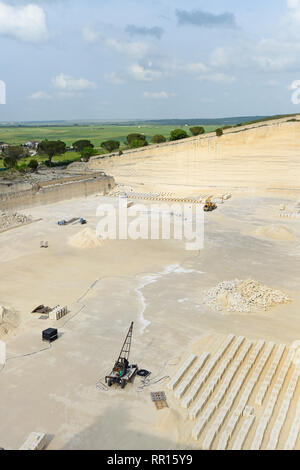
[(133, 59)]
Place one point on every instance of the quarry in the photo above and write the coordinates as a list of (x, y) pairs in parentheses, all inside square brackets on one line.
[(217, 328)]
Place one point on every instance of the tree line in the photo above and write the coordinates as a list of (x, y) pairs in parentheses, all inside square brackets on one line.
[(51, 148)]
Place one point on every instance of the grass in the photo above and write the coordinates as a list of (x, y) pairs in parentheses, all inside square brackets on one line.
[(95, 133), (69, 134), (66, 157)]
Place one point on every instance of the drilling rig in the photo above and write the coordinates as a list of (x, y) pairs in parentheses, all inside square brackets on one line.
[(122, 372)]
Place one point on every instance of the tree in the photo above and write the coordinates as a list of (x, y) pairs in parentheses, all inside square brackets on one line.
[(10, 162), (51, 148), (137, 143), (219, 132), (132, 137), (197, 130), (81, 144), (33, 165), (11, 155), (158, 139), (178, 134), (87, 153), (110, 145)]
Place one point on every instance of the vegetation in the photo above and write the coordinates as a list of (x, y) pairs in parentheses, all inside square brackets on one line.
[(51, 148), (11, 156), (95, 133), (219, 132), (197, 130), (135, 136), (79, 145), (33, 165), (87, 153), (136, 140), (158, 139), (178, 134), (138, 143), (110, 145)]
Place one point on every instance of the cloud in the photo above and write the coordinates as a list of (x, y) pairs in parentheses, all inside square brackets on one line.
[(217, 78), (134, 30), (90, 36), (24, 23), (114, 79), (195, 67), (156, 95), (294, 6), (271, 83), (204, 19), (140, 73), (40, 95), (266, 55), (137, 50), (67, 84)]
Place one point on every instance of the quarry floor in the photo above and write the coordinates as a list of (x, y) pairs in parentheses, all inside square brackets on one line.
[(158, 285)]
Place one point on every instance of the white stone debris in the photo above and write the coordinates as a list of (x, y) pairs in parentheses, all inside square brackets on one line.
[(13, 219), (243, 296)]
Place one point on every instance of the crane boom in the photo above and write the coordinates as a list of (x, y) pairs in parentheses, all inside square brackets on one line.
[(122, 372), (125, 351)]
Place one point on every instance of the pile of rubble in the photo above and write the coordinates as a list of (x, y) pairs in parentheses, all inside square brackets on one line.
[(13, 219), (243, 296), (8, 321)]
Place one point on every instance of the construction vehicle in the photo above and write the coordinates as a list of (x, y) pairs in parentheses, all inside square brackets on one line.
[(209, 206), (122, 372)]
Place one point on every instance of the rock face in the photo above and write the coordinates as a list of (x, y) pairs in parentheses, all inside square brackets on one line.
[(269, 151), (13, 219)]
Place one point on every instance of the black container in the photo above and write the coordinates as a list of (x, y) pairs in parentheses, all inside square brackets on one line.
[(50, 335)]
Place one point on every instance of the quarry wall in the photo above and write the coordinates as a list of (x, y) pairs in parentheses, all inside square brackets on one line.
[(260, 155), (55, 191)]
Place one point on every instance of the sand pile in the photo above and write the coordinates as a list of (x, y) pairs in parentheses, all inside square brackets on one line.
[(87, 238), (13, 219), (243, 296), (275, 232)]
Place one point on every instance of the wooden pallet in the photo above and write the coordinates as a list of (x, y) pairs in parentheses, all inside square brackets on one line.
[(160, 400), (158, 396), (161, 404)]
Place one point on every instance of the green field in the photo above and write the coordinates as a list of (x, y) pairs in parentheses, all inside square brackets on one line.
[(69, 134), (95, 133)]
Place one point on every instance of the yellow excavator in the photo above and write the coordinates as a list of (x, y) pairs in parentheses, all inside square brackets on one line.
[(209, 206)]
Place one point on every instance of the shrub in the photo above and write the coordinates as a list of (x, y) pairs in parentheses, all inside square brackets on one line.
[(12, 154), (197, 130), (110, 145), (137, 143), (158, 139), (79, 145), (33, 165), (87, 153), (10, 162), (132, 137), (178, 134), (219, 132)]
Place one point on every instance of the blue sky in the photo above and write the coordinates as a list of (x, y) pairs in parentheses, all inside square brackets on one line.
[(132, 59)]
